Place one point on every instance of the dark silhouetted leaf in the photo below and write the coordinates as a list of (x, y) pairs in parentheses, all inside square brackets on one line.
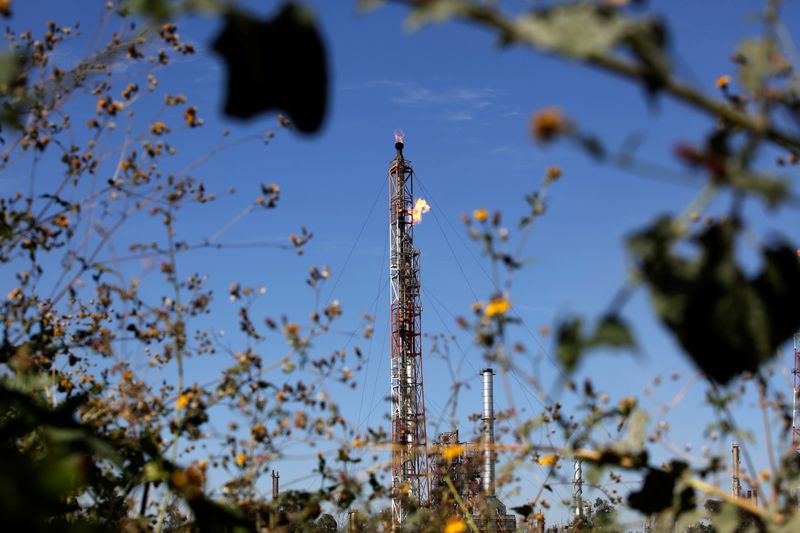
[(610, 332), (524, 510), (725, 322), (278, 64), (658, 490)]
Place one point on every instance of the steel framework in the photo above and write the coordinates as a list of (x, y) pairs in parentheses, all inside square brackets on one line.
[(795, 392), (410, 480)]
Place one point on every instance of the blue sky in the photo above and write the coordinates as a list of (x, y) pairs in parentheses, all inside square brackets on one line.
[(464, 105)]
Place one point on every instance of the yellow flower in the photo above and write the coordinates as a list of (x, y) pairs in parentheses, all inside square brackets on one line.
[(553, 173), (291, 329), (455, 525), (158, 128), (61, 221), (547, 123), (451, 452), (241, 459), (481, 214), (498, 306), (183, 401), (723, 82), (548, 460), (626, 405)]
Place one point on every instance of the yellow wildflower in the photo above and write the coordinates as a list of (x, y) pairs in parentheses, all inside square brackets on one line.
[(179, 478), (548, 460), (552, 173), (241, 459), (451, 452), (291, 329), (547, 123), (723, 82), (158, 128), (61, 221), (626, 405), (183, 401), (497, 306), (455, 525), (481, 214)]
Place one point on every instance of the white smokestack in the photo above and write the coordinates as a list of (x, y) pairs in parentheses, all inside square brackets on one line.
[(488, 431), (578, 483)]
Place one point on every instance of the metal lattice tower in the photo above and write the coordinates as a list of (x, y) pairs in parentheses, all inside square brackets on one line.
[(410, 480), (795, 392)]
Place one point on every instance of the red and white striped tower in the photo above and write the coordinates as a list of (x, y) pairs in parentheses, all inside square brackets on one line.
[(410, 481)]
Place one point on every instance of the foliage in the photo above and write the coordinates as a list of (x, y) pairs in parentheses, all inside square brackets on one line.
[(91, 443)]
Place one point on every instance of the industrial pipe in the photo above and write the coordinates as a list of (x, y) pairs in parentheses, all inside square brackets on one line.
[(488, 431)]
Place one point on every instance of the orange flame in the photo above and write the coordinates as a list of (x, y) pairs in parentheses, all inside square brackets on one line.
[(399, 136), (420, 208)]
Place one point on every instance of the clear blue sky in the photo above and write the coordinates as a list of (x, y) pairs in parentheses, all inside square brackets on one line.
[(464, 105)]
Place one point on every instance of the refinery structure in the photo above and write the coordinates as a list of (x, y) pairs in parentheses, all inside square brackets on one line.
[(452, 475), (462, 482), (419, 478)]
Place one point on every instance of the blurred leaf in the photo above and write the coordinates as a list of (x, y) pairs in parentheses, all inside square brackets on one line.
[(524, 510), (633, 441), (579, 30), (771, 189), (278, 64), (155, 9), (428, 12), (726, 323), (658, 490), (756, 67), (571, 342), (612, 332)]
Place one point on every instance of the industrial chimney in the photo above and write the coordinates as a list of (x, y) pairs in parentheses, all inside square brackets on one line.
[(735, 465), (488, 431), (578, 488)]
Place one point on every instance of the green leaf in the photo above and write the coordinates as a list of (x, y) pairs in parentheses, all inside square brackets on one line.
[(612, 332), (572, 343), (633, 441), (436, 11), (156, 9), (579, 30), (758, 58), (771, 189), (728, 324), (569, 342), (277, 64)]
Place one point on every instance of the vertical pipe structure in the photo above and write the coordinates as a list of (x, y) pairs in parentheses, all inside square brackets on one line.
[(488, 432), (796, 384), (577, 481), (410, 480), (736, 485), (275, 489)]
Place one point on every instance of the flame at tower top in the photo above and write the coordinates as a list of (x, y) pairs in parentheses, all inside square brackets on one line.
[(399, 138)]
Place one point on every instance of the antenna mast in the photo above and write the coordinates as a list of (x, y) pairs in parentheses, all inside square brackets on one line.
[(410, 482), (795, 391)]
